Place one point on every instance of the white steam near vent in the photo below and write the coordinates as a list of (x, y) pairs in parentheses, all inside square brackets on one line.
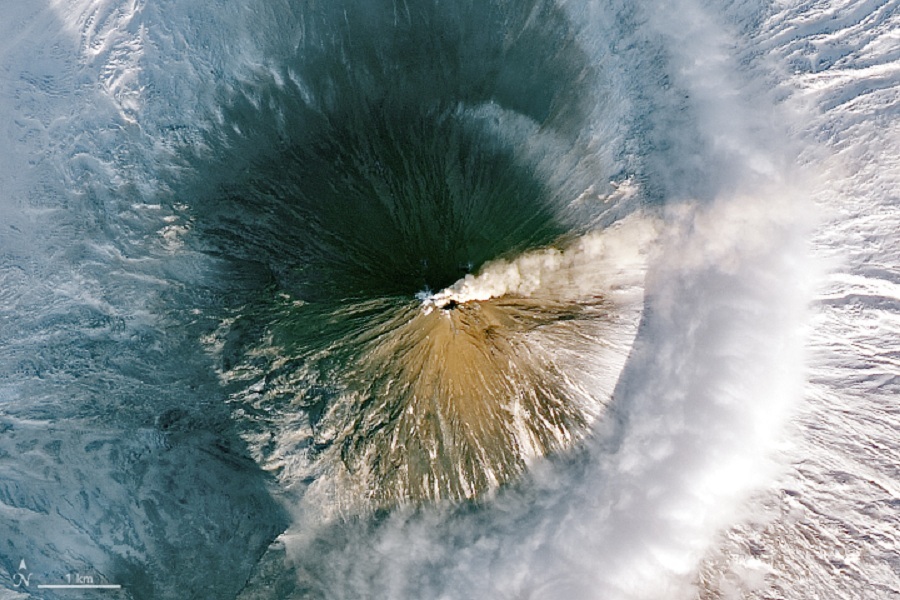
[(407, 299), (610, 263)]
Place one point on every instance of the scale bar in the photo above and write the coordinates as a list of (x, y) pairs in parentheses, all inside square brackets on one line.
[(81, 586)]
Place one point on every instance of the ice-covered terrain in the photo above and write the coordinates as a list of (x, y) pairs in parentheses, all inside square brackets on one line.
[(190, 406)]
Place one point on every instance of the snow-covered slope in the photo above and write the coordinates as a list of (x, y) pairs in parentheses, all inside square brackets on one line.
[(830, 528)]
